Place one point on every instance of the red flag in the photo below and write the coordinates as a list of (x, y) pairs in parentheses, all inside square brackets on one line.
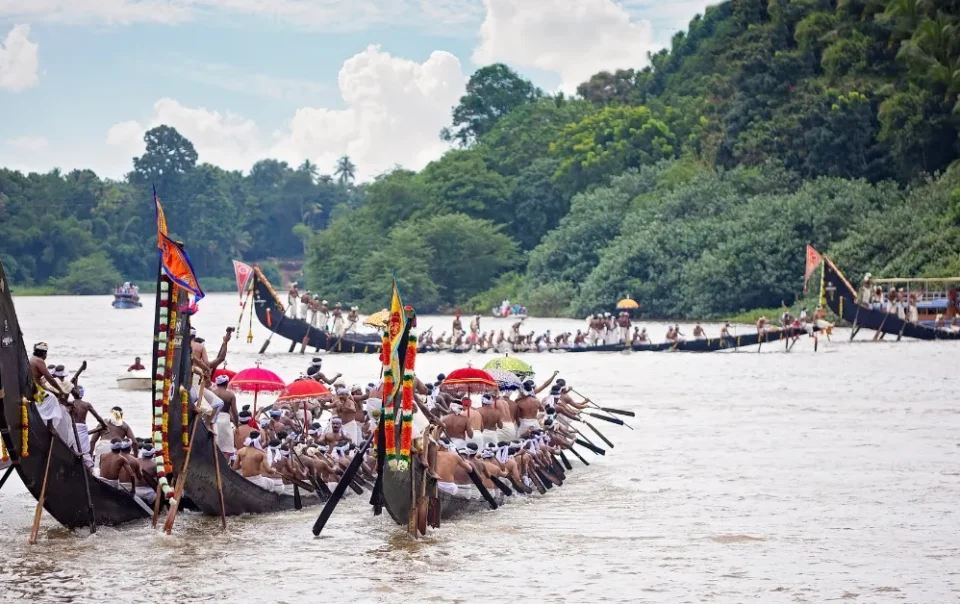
[(813, 261), (243, 273)]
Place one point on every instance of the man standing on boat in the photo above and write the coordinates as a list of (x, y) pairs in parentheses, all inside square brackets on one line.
[(475, 328), (866, 291), (338, 320), (353, 317), (304, 305), (457, 327), (226, 417), (48, 395), (323, 316), (79, 412), (623, 324), (293, 299)]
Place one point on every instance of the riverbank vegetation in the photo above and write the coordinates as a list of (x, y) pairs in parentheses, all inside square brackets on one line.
[(692, 184)]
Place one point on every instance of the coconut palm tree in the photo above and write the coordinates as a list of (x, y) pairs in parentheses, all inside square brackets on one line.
[(346, 172)]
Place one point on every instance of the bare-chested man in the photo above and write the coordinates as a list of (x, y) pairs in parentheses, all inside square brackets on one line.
[(79, 412), (251, 461), (49, 395), (346, 408), (244, 428), (147, 490), (113, 465), (452, 470), (293, 299), (490, 420), (527, 408), (457, 426), (114, 427), (314, 372), (225, 420)]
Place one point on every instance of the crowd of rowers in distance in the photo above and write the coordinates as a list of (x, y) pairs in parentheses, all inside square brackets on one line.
[(294, 443), (602, 329), (316, 312)]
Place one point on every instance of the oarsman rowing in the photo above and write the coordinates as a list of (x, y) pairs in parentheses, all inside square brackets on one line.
[(114, 466), (761, 325), (623, 324), (508, 429), (79, 412), (293, 299), (338, 325), (226, 418), (475, 328), (133, 476), (457, 426), (490, 421), (323, 315), (49, 394), (148, 472), (451, 469), (244, 428), (725, 330), (528, 409), (699, 333), (457, 327), (305, 304), (251, 461), (115, 428)]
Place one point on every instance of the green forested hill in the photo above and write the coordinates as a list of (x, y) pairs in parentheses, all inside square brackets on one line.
[(692, 184)]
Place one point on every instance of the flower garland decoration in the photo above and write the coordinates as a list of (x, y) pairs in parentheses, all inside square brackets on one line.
[(24, 429), (406, 417), (185, 415), (389, 410), (4, 456), (163, 363)]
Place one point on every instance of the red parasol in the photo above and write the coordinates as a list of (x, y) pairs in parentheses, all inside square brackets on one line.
[(257, 380), (468, 381), (303, 391), (226, 372)]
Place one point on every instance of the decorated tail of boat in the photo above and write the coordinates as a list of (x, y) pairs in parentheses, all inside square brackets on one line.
[(885, 315), (33, 451)]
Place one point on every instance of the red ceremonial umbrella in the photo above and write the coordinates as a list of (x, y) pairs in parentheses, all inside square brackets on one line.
[(303, 391), (468, 380), (257, 380), (226, 372)]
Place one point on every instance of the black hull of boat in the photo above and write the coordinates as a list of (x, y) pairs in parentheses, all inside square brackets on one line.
[(240, 496), (841, 298), (398, 496), (271, 315), (66, 497)]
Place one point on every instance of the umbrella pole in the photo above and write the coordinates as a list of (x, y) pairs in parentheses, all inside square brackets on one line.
[(255, 393)]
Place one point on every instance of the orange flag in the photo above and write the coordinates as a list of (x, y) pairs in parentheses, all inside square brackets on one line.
[(813, 261), (174, 260)]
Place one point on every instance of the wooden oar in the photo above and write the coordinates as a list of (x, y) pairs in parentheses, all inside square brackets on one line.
[(593, 448), (543, 478), (341, 487), (43, 490), (216, 465), (182, 476), (619, 411), (580, 457), (602, 437), (86, 478), (879, 332), (297, 501), (606, 418), (612, 418), (500, 485), (566, 462), (475, 478), (6, 474), (324, 490), (270, 337)]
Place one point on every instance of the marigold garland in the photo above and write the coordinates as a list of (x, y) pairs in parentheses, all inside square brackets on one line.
[(163, 366), (24, 429), (184, 414), (4, 456), (406, 400)]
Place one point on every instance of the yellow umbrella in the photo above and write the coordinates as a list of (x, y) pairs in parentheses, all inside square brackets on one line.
[(627, 304), (378, 319)]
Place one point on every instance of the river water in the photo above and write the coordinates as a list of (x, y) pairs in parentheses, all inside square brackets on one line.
[(770, 477)]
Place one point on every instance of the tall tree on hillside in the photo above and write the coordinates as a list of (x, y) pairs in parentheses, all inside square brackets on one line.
[(308, 167), (492, 92), (168, 153), (346, 171)]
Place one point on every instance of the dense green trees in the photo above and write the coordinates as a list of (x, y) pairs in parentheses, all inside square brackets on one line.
[(692, 183)]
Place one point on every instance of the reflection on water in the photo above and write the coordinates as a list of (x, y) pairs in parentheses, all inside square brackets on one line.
[(770, 477)]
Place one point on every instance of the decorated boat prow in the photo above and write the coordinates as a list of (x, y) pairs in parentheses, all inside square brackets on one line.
[(29, 445)]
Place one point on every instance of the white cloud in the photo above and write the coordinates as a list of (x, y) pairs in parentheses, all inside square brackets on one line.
[(394, 111), (18, 60), (293, 90), (310, 14), (573, 38), (115, 12), (28, 143)]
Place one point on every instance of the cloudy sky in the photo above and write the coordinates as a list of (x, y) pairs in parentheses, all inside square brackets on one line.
[(81, 80)]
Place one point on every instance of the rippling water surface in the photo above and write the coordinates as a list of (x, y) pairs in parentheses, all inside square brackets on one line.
[(771, 477)]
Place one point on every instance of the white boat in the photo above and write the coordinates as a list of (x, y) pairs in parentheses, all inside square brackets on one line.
[(134, 380)]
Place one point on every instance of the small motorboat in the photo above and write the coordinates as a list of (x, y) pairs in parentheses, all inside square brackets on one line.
[(126, 301), (134, 380)]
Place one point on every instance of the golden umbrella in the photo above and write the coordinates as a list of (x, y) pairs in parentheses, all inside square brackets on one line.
[(378, 319), (627, 304)]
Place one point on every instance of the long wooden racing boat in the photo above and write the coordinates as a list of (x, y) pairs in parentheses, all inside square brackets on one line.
[(240, 496), (695, 345), (270, 312), (842, 299), (66, 495)]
